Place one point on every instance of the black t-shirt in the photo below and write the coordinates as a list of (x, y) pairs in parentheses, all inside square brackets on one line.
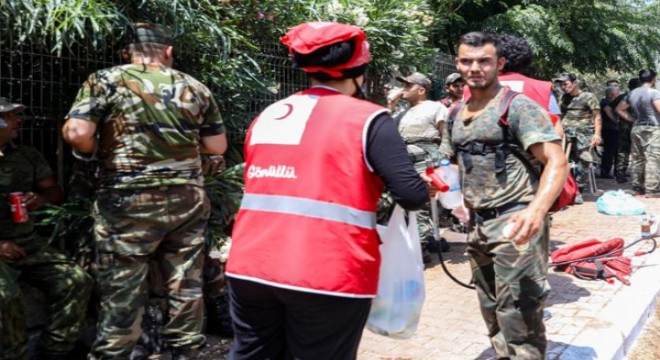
[(608, 122)]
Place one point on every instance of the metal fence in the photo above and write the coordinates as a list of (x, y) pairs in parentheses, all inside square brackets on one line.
[(47, 85)]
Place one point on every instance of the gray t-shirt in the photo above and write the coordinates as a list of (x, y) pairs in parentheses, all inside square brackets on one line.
[(641, 103)]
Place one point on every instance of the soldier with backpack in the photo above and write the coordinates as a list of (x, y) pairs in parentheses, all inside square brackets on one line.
[(508, 203)]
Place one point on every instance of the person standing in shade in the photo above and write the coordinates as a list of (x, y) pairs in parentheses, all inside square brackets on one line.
[(304, 261), (582, 125), (508, 235), (644, 102), (610, 131), (421, 127), (147, 124), (626, 119), (25, 256)]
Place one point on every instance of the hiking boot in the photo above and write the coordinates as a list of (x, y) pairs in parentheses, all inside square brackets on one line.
[(652, 194), (605, 176), (578, 199), (426, 256), (621, 179), (636, 191), (434, 246), (184, 354)]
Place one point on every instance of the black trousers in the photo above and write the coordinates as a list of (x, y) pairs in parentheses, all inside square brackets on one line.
[(610, 148), (272, 323)]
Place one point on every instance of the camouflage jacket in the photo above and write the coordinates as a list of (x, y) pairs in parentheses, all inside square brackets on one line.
[(483, 187), (578, 110), (21, 168), (150, 120)]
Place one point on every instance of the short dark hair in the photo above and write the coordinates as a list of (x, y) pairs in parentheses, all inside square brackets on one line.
[(634, 83), (517, 52), (479, 39), (612, 81), (646, 75)]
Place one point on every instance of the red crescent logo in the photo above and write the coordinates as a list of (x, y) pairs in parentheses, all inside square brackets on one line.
[(289, 110)]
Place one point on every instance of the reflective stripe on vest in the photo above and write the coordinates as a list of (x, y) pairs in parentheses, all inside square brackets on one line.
[(311, 208)]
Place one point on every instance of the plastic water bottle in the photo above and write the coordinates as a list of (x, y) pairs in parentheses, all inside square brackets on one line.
[(453, 197), (646, 226)]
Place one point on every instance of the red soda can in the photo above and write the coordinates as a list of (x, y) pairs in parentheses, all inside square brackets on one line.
[(19, 212)]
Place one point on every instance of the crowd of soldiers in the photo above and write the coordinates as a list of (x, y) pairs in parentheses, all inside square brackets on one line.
[(317, 164)]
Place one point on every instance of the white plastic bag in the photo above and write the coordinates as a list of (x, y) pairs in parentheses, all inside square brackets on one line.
[(396, 309), (619, 203)]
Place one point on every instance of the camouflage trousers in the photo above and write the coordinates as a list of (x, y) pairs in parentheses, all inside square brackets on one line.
[(645, 151), (582, 155), (166, 224), (67, 288), (623, 154), (512, 287)]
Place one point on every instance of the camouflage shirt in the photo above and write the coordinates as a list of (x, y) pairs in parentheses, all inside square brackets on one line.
[(578, 110), (150, 119), (21, 168), (418, 126), (483, 188)]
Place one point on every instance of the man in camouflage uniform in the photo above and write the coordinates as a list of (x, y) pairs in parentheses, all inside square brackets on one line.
[(509, 270), (625, 127), (153, 123), (421, 127), (644, 103), (27, 257), (582, 126), (454, 85)]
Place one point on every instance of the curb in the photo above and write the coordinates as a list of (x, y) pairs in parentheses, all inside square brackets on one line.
[(614, 332)]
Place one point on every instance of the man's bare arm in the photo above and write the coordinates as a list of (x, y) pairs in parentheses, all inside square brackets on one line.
[(79, 134), (528, 222), (622, 111)]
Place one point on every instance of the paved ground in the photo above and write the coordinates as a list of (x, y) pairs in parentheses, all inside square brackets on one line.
[(590, 319)]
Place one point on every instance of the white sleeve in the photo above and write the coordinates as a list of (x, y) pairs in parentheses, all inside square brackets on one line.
[(442, 114)]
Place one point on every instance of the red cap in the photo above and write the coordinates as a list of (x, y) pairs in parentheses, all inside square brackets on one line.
[(309, 37)]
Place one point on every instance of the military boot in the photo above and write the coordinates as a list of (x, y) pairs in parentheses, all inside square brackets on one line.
[(184, 354)]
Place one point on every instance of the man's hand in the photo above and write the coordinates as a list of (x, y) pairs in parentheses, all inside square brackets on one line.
[(10, 251), (432, 189), (595, 141), (33, 201), (526, 224)]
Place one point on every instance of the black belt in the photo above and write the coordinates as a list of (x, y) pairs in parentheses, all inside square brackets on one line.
[(481, 215), (645, 123)]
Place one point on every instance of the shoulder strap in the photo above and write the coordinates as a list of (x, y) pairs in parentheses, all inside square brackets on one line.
[(453, 114), (503, 122), (504, 107)]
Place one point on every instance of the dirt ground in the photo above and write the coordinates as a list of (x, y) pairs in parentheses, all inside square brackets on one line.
[(648, 343)]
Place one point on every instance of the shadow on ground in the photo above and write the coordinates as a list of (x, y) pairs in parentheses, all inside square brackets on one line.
[(555, 350)]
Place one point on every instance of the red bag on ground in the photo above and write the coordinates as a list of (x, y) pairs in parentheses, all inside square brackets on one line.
[(577, 259), (586, 249)]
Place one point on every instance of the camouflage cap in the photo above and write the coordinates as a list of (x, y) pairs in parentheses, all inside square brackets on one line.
[(565, 77), (148, 33), (453, 77), (7, 106), (416, 78)]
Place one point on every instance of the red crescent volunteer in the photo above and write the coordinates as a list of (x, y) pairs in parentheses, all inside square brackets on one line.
[(313, 204)]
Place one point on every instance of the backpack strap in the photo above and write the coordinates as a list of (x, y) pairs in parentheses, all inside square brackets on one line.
[(453, 114), (509, 144)]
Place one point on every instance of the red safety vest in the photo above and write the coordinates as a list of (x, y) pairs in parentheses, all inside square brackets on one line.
[(307, 221)]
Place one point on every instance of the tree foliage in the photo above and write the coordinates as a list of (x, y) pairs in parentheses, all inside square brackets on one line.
[(584, 36)]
